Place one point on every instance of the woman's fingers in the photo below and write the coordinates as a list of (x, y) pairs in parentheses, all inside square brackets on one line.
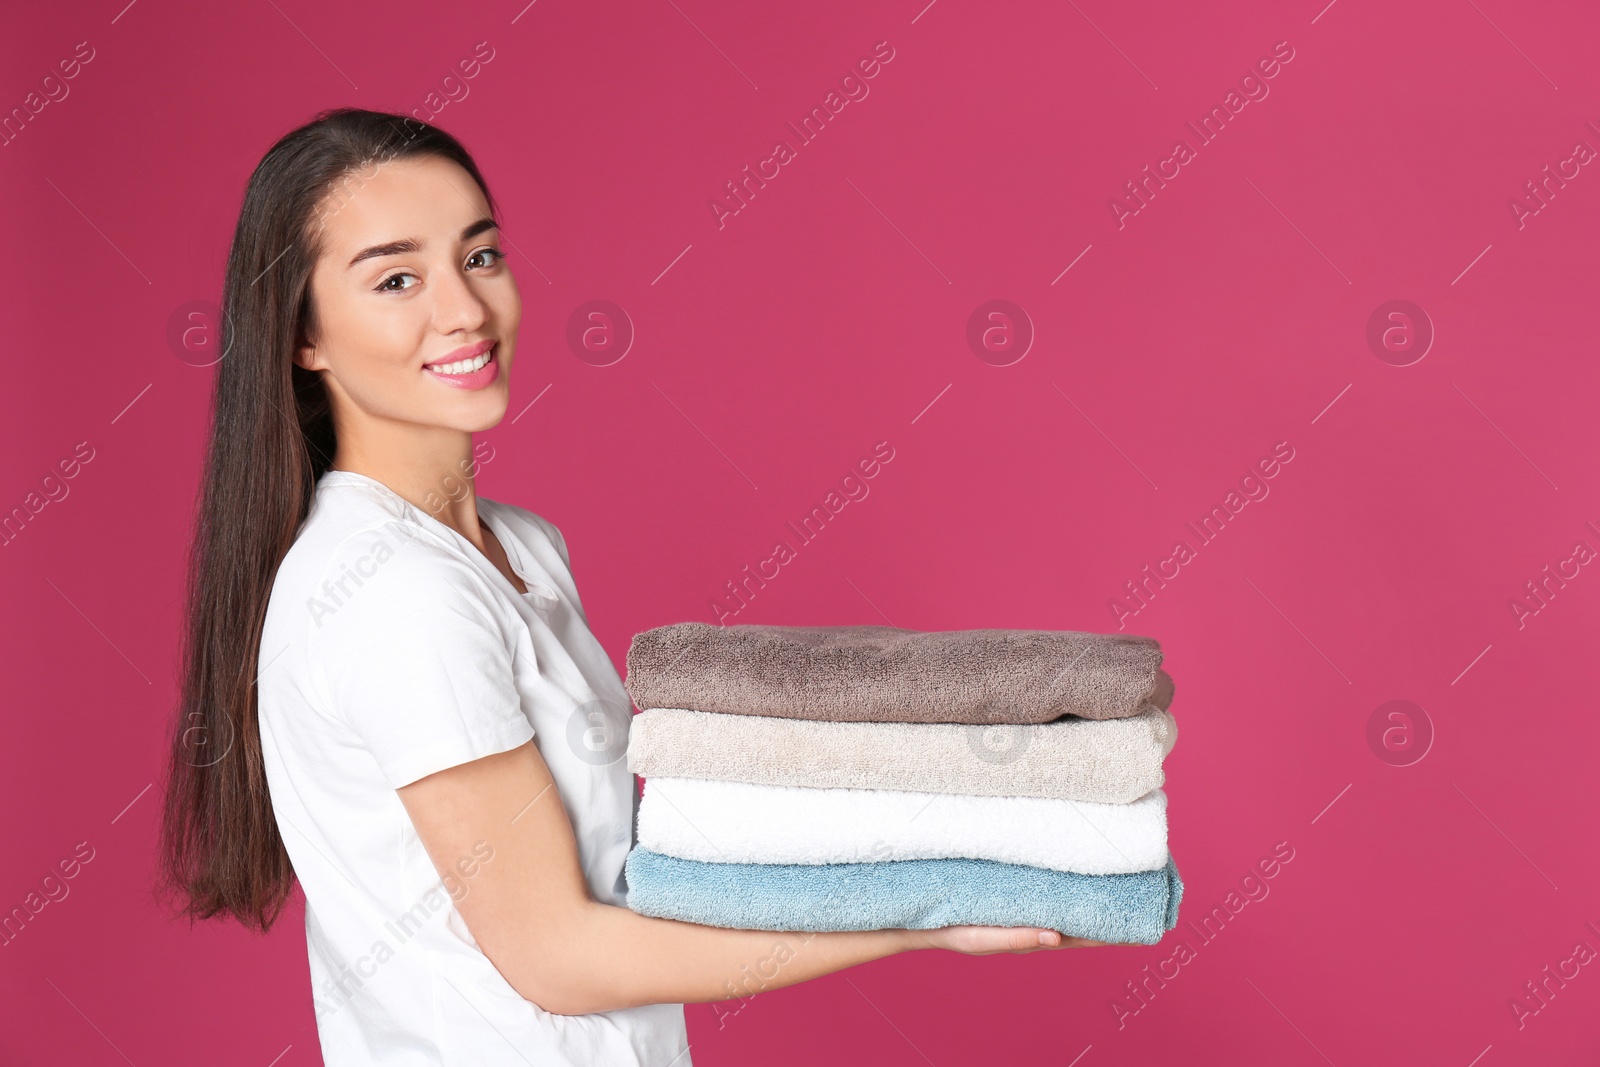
[(1057, 940), (982, 940)]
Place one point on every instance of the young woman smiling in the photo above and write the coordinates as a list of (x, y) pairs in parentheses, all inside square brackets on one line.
[(388, 695)]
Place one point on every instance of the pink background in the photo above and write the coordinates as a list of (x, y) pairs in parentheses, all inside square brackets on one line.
[(829, 314)]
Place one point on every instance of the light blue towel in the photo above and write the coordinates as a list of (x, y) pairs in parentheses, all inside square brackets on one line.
[(904, 894)]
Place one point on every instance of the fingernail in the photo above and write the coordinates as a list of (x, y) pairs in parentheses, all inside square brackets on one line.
[(1046, 938)]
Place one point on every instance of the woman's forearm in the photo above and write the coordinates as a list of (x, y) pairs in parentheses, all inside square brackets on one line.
[(627, 959), (534, 916)]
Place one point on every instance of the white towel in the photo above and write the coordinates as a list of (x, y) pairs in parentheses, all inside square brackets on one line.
[(741, 822)]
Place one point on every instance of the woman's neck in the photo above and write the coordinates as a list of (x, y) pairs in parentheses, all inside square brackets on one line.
[(443, 487)]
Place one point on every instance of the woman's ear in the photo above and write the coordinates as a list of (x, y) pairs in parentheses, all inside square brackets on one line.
[(305, 351)]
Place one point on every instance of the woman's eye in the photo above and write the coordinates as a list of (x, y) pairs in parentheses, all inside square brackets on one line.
[(385, 287)]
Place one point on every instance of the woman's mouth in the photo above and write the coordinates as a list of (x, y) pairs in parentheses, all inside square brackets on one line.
[(473, 373)]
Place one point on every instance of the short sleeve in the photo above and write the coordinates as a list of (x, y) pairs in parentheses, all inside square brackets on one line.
[(412, 655)]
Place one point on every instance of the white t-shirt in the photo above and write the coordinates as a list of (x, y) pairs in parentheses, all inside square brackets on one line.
[(392, 649)]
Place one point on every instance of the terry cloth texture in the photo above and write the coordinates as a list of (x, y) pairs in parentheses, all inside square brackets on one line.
[(1110, 761), (904, 894), (886, 674), (736, 822)]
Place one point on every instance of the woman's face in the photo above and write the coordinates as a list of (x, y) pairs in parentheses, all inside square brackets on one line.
[(411, 293)]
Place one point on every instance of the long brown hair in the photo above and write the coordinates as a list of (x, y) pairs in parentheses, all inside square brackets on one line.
[(272, 437)]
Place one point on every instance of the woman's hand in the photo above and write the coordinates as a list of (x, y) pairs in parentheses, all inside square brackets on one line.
[(986, 940)]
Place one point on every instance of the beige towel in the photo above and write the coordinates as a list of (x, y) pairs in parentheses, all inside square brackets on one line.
[(1112, 761), (886, 674)]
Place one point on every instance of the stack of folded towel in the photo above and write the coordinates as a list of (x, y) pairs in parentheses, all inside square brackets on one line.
[(867, 777)]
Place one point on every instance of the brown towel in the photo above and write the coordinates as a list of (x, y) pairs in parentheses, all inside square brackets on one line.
[(886, 674)]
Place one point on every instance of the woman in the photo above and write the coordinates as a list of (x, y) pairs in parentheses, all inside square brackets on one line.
[(390, 689)]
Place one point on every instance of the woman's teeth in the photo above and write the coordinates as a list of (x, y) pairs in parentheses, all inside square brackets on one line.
[(465, 366)]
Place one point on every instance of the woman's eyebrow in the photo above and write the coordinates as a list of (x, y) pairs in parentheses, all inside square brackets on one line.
[(411, 244)]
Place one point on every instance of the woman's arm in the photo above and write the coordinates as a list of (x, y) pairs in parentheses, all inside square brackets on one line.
[(532, 913)]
